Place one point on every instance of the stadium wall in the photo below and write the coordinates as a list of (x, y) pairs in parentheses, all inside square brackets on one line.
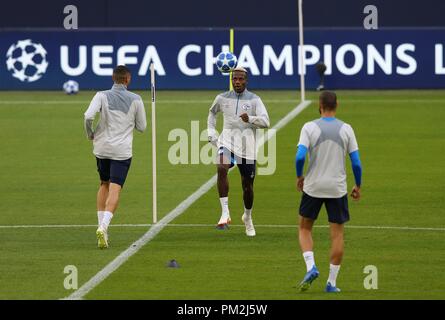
[(357, 59), (208, 13)]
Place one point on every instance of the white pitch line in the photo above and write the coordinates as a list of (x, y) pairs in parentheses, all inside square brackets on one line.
[(155, 229), (202, 225), (62, 226), (51, 102), (85, 102), (150, 234), (208, 102)]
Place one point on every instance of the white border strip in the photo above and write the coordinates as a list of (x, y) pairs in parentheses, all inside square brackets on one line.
[(155, 229), (86, 102), (202, 225)]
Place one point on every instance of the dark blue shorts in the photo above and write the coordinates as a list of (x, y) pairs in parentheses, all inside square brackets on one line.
[(247, 167), (337, 208), (114, 171)]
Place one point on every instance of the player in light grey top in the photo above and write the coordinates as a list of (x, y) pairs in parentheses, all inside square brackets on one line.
[(243, 113), (328, 141), (120, 112), (238, 135)]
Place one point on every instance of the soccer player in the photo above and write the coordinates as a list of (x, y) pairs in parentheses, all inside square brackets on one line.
[(243, 113), (120, 112), (328, 140)]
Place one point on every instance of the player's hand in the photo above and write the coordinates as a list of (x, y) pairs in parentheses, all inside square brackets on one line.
[(91, 137), (244, 117), (355, 194), (300, 183), (212, 140)]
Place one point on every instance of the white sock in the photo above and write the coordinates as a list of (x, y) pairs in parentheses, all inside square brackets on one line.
[(100, 217), (106, 220), (333, 272), (224, 206), (309, 259), (248, 212)]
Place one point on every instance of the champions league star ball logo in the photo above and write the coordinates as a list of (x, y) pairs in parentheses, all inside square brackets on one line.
[(26, 60)]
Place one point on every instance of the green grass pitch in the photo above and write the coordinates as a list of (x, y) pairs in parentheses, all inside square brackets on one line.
[(48, 177)]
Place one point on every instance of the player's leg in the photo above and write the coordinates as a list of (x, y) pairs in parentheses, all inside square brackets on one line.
[(223, 165), (118, 174), (309, 210), (337, 243), (247, 184), (102, 196), (223, 181), (113, 198), (247, 170), (338, 214), (336, 255), (103, 167), (305, 238)]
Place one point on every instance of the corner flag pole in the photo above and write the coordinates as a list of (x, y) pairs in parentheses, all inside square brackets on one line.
[(301, 51), (153, 140), (232, 47)]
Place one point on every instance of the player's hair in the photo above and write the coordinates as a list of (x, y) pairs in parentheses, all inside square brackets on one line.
[(328, 100), (241, 70), (120, 74)]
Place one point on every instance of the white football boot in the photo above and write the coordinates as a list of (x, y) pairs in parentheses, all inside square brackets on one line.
[(224, 222), (102, 238), (250, 229)]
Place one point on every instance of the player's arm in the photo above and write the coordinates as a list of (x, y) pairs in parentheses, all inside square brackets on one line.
[(90, 114), (355, 161), (141, 118), (261, 119), (300, 156), (357, 170), (211, 121)]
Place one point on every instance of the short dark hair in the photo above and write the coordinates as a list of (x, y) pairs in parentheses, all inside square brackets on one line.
[(328, 100), (241, 71), (120, 74)]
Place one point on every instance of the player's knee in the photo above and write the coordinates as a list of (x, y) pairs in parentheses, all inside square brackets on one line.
[(336, 232), (113, 196), (305, 224), (247, 188), (105, 183), (247, 184)]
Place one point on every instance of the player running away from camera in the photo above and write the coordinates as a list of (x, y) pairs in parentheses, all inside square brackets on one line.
[(120, 112), (328, 140), (243, 113)]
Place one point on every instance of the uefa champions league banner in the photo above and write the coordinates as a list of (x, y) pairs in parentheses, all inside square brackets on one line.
[(184, 59)]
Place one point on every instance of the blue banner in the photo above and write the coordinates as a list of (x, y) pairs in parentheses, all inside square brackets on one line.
[(184, 59)]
